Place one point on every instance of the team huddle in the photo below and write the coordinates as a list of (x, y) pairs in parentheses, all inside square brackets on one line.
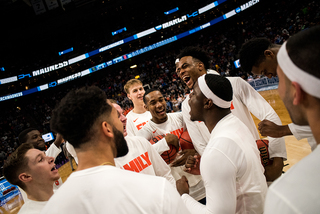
[(139, 163)]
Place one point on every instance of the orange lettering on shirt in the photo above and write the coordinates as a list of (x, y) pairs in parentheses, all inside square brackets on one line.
[(137, 164), (177, 132), (231, 107), (141, 125), (132, 167), (145, 157), (141, 163)]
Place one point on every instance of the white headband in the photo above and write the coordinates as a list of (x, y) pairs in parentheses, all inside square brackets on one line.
[(308, 82), (177, 60), (210, 95)]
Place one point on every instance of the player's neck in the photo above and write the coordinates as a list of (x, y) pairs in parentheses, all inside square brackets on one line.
[(213, 117), (313, 116), (159, 121), (94, 155), (40, 192), (139, 108)]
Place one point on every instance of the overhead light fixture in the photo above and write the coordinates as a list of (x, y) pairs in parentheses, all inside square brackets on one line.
[(133, 66)]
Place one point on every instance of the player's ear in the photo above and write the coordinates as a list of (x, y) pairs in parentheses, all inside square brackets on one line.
[(269, 53), (146, 107), (207, 103), (298, 93), (25, 177), (107, 129), (201, 66), (128, 95)]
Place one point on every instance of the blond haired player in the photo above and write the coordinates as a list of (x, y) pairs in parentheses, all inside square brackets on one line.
[(138, 116)]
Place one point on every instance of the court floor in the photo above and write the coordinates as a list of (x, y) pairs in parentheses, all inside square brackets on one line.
[(296, 150)]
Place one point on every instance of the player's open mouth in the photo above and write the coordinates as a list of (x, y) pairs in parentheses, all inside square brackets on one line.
[(162, 112), (187, 79), (53, 168)]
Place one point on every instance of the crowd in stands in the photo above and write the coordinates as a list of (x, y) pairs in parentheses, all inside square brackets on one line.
[(277, 23)]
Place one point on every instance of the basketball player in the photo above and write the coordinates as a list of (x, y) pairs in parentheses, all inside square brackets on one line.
[(164, 123), (33, 136), (138, 116), (194, 62), (35, 173), (259, 56), (141, 158), (90, 123), (230, 164), (298, 190)]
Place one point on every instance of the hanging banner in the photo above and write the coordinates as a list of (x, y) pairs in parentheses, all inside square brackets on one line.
[(38, 6), (52, 4)]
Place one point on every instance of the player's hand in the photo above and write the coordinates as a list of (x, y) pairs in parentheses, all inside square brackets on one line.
[(172, 140), (268, 128), (193, 164), (182, 185), (59, 140), (182, 157), (274, 171)]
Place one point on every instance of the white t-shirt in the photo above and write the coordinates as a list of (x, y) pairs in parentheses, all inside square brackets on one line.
[(71, 150), (136, 121), (301, 132), (174, 125), (231, 170), (245, 100), (107, 189), (144, 159), (32, 207), (52, 151), (298, 190)]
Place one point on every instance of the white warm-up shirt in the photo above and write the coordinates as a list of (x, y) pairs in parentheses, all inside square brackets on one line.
[(53, 151), (298, 190), (144, 159), (231, 170), (71, 150), (245, 100), (32, 207), (300, 132), (175, 125), (136, 121), (107, 189)]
